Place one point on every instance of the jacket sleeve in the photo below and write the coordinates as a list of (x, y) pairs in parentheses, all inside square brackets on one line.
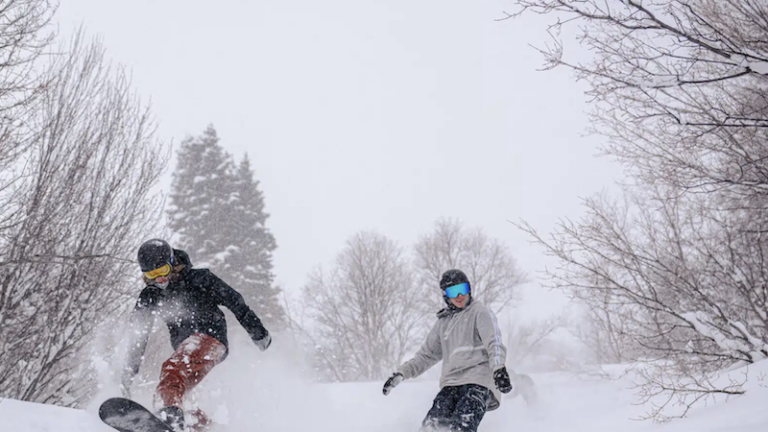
[(232, 300), (490, 335), (139, 327), (428, 355)]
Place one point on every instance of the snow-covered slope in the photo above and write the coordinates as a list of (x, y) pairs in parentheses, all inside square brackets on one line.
[(26, 417), (569, 403), (256, 391)]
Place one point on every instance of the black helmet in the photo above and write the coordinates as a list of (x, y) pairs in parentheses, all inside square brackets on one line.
[(453, 277), (154, 254)]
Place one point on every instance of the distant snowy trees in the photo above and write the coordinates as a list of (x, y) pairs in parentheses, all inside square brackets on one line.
[(486, 261), (218, 213), (677, 269), (366, 309), (77, 159), (374, 306)]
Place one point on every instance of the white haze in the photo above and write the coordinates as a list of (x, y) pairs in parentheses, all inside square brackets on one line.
[(367, 115)]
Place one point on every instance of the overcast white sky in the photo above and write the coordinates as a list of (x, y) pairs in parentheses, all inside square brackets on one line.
[(360, 115)]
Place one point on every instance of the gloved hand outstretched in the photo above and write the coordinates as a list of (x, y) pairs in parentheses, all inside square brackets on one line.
[(264, 342), (501, 379), (392, 382)]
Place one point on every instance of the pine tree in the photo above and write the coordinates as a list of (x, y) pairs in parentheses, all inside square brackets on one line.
[(251, 266), (217, 212), (201, 201)]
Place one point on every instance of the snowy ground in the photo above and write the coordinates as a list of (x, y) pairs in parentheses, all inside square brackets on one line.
[(267, 394)]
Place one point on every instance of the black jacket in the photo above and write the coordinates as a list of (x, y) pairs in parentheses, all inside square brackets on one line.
[(188, 305)]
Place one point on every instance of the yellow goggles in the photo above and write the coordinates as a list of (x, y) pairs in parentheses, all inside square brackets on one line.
[(156, 273)]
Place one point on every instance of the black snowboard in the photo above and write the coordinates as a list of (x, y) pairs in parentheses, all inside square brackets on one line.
[(126, 415)]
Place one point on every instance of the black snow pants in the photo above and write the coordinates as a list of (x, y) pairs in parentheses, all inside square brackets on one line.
[(457, 409)]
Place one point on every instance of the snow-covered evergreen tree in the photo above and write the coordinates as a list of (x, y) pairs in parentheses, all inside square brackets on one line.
[(201, 200), (217, 212), (251, 264)]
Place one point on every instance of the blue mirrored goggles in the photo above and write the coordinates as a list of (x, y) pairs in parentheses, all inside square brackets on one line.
[(454, 291)]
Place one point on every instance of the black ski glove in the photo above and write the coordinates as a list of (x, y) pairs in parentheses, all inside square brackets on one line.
[(392, 382), (264, 342), (501, 379)]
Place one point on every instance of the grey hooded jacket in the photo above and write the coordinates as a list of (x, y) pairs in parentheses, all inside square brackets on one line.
[(468, 341)]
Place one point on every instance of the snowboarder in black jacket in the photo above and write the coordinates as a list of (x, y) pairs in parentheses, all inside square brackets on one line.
[(188, 301)]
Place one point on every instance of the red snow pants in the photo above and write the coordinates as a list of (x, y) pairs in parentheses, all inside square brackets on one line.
[(188, 365)]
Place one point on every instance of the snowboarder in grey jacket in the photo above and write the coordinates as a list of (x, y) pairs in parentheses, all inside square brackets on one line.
[(467, 339)]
